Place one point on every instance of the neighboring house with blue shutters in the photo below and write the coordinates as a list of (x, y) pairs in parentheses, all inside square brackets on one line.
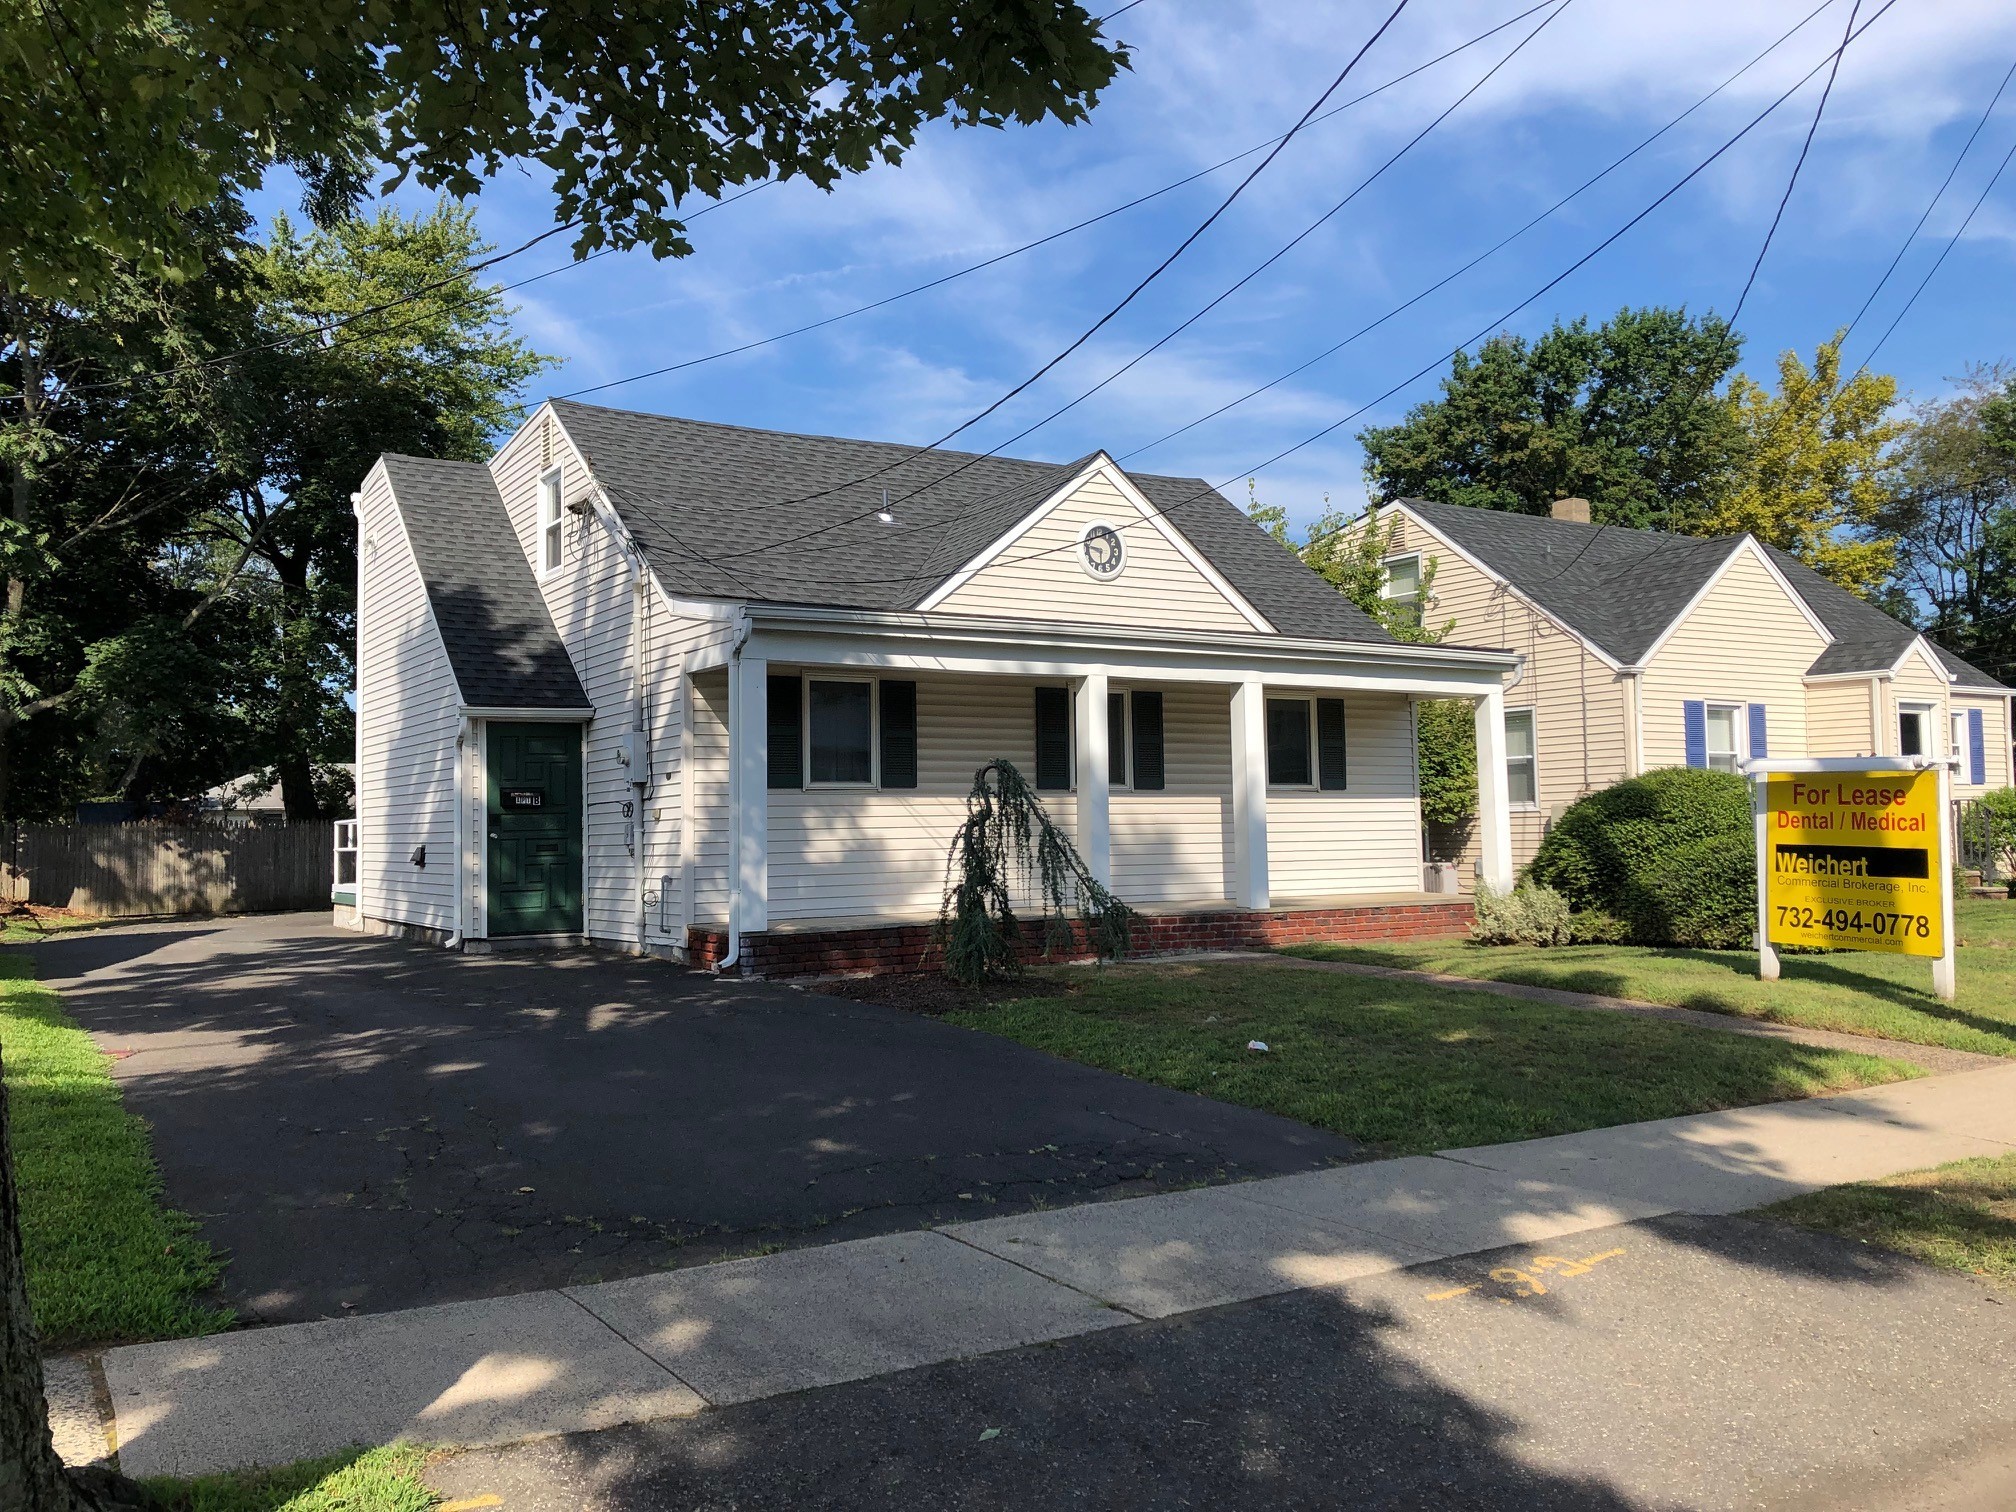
[(711, 691), (1646, 650)]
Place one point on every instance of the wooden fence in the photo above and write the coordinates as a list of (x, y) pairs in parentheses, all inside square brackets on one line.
[(120, 870)]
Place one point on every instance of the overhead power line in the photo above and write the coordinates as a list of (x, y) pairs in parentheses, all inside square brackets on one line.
[(911, 453), (1184, 325), (1057, 235), (1494, 325)]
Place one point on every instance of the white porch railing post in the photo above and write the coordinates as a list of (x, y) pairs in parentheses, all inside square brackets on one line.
[(749, 714), (1249, 795), (1494, 805), (1095, 821)]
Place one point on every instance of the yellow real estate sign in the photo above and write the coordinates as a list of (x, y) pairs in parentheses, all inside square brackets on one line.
[(1851, 862)]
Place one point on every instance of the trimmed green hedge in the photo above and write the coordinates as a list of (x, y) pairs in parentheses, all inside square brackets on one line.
[(1669, 853)]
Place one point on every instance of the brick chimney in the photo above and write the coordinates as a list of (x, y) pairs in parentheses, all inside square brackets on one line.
[(1571, 509)]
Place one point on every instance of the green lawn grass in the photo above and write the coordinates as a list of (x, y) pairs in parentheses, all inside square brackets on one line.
[(1884, 996), (106, 1261), (374, 1480), (1407, 1068), (1960, 1216)]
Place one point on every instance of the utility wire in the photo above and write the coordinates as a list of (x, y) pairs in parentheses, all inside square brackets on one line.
[(1154, 273), (1496, 324), (1030, 246), (1951, 243), (1932, 204), (1489, 252), (1184, 325), (1729, 326)]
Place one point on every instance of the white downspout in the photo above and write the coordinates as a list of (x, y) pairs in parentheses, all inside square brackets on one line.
[(735, 733), (462, 734), (640, 747)]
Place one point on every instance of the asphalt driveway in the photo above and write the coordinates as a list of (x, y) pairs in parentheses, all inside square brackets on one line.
[(366, 1124)]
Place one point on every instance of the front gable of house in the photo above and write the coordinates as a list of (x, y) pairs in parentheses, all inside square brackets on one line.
[(1098, 552)]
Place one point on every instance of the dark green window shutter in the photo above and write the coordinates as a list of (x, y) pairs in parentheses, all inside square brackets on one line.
[(787, 733), (1148, 776), (1330, 762), (1116, 739), (899, 734), (1053, 740)]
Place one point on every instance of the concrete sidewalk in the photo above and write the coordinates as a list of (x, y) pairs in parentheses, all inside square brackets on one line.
[(672, 1344)]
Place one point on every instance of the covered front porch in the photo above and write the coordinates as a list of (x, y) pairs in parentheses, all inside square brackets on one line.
[(1238, 791)]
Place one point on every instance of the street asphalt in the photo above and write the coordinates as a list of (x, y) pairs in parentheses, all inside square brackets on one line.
[(367, 1124), (1681, 1362)]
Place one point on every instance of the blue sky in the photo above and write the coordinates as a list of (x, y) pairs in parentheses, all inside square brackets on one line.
[(1212, 79)]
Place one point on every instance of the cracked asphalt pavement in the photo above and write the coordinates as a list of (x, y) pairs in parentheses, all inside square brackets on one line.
[(365, 1124)]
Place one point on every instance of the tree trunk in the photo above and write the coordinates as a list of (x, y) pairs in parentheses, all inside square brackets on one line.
[(297, 786), (31, 1476)]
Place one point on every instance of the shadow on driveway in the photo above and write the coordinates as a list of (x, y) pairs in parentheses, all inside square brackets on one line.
[(366, 1124)]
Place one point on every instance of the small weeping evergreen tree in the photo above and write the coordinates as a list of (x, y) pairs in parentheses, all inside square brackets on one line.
[(1006, 843)]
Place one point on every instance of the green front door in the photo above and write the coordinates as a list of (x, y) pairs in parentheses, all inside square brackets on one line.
[(534, 806)]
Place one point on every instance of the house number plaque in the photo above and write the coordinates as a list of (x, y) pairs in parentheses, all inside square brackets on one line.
[(521, 799)]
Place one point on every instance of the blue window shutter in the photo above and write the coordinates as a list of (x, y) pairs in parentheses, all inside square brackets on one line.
[(1696, 713), (1977, 754), (1759, 744)]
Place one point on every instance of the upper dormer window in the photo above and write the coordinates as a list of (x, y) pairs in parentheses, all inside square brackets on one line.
[(1402, 588), (550, 544)]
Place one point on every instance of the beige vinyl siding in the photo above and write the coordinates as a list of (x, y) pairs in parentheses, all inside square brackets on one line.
[(1366, 839), (1175, 845), (1917, 681), (591, 602), (409, 717), (1038, 575), (1994, 741), (861, 853), (1578, 700), (1744, 642), (1837, 718)]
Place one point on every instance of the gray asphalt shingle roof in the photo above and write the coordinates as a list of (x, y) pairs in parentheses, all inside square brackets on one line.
[(725, 512), (1621, 588), (500, 640)]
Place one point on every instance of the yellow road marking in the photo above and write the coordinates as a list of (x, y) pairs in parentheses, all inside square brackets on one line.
[(1444, 1296), (1526, 1281), (472, 1503)]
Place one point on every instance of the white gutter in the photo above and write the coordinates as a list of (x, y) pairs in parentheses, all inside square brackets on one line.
[(744, 625)]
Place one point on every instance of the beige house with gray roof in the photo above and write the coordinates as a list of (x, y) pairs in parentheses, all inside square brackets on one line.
[(1643, 650)]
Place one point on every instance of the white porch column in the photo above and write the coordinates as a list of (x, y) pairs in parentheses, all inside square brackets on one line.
[(1494, 808), (749, 714), (1249, 795), (1095, 820)]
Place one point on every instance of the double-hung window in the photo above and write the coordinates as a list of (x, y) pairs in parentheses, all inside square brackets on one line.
[(840, 732), (1724, 755), (1522, 777), (551, 546), (1402, 588), (1290, 734), (1914, 729)]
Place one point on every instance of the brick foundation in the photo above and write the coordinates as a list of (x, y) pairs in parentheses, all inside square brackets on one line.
[(891, 949)]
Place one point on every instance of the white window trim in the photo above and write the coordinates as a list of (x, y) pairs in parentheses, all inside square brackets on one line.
[(1928, 711), (1956, 738), (1739, 730), (1532, 716), (1308, 701), (553, 529), (1386, 583), (874, 783)]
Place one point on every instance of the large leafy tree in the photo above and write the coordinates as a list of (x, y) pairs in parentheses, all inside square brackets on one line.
[(1953, 515), (131, 121), (302, 420), (1629, 414), (1815, 477)]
